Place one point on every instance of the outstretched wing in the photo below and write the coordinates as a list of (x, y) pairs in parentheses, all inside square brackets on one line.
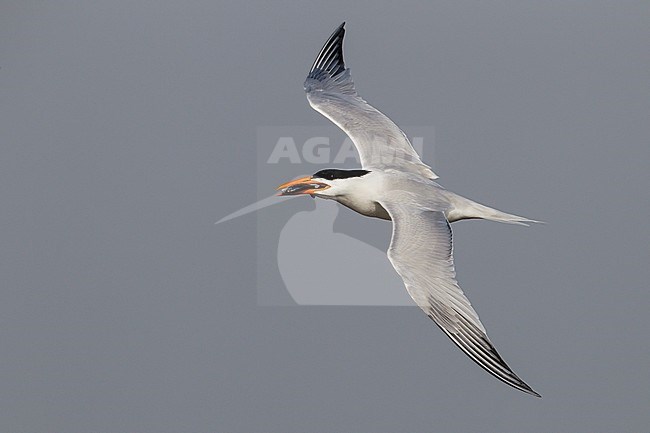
[(422, 254), (330, 91)]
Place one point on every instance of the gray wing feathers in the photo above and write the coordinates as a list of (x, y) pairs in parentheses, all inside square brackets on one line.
[(421, 252), (330, 91)]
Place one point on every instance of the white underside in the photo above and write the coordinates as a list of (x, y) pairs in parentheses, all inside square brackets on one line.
[(363, 195)]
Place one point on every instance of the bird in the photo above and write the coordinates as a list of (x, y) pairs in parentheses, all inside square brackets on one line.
[(394, 184)]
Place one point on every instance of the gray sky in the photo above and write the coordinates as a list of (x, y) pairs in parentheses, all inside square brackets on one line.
[(128, 128)]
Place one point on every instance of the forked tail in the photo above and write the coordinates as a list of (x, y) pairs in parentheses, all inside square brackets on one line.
[(464, 208)]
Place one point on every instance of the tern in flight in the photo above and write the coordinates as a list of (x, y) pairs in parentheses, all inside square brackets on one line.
[(394, 184)]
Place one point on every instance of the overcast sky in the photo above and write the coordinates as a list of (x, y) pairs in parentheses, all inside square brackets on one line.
[(128, 128)]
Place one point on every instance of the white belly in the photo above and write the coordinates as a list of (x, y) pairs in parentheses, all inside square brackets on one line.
[(365, 207)]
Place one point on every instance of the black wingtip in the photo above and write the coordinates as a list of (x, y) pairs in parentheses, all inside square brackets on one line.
[(330, 57)]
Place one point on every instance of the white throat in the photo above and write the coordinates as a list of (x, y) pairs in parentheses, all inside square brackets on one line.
[(357, 193)]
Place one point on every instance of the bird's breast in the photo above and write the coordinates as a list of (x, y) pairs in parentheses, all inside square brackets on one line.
[(364, 206)]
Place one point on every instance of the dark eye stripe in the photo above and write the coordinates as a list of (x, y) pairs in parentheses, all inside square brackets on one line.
[(333, 173)]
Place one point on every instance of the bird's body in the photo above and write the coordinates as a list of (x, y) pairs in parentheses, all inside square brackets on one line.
[(364, 195), (394, 184)]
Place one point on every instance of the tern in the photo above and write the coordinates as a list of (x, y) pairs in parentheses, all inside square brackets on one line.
[(394, 184)]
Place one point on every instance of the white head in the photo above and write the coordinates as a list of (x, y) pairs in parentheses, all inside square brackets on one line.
[(329, 183)]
